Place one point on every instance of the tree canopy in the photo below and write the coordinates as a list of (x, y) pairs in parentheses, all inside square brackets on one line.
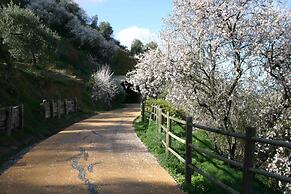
[(106, 30), (151, 46), (137, 47), (24, 34)]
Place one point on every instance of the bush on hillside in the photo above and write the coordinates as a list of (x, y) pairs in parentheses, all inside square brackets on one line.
[(103, 88)]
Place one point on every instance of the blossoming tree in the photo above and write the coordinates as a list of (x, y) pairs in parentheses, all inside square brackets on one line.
[(227, 62), (104, 89)]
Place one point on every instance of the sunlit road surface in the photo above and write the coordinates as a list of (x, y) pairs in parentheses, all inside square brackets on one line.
[(99, 155)]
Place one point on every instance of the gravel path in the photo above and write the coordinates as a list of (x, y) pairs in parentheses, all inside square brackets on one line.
[(99, 155)]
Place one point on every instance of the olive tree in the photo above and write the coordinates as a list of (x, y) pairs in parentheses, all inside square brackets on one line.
[(24, 34)]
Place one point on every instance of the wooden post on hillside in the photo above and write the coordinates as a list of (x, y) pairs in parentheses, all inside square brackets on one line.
[(52, 108), (59, 107), (44, 109), (9, 121), (75, 104), (66, 106), (188, 159), (249, 158), (21, 116)]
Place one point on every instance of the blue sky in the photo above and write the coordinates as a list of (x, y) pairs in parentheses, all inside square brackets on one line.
[(130, 19)]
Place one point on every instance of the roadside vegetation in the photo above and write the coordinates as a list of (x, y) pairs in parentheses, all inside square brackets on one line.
[(148, 133)]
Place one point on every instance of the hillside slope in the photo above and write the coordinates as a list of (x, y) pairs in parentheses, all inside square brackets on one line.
[(29, 87)]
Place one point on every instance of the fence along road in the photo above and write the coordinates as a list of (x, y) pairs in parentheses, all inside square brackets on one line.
[(247, 167), (101, 154)]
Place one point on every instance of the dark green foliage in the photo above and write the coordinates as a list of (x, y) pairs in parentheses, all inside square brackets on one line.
[(122, 62), (106, 30), (167, 107), (21, 3), (94, 22), (151, 46), (74, 60), (137, 47), (24, 34)]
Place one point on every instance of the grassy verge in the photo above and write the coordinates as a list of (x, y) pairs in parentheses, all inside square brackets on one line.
[(149, 135)]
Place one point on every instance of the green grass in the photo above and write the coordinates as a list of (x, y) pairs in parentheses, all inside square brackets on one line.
[(150, 136)]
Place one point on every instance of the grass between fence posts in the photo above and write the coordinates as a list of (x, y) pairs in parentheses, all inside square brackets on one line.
[(219, 171)]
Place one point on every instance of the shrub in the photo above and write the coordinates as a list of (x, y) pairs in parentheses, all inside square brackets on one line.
[(167, 107), (104, 88)]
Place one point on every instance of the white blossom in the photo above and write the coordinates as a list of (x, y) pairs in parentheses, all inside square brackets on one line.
[(104, 88)]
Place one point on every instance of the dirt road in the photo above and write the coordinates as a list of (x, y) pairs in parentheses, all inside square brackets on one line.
[(99, 155)]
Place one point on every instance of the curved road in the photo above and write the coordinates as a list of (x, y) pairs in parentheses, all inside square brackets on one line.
[(99, 155)]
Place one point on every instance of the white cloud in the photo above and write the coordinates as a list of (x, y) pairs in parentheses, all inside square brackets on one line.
[(126, 36)]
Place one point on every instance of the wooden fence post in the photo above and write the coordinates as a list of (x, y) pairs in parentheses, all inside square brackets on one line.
[(9, 121), (188, 159), (249, 157), (59, 107), (42, 104), (151, 113), (52, 108), (156, 114), (142, 107), (160, 119), (154, 117), (21, 116), (66, 107), (75, 104), (168, 137)]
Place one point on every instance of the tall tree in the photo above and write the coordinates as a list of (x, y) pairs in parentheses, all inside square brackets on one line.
[(24, 34), (106, 30), (151, 46), (137, 47), (94, 22)]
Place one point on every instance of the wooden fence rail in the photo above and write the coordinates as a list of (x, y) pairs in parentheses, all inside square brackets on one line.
[(11, 119), (55, 109), (249, 137)]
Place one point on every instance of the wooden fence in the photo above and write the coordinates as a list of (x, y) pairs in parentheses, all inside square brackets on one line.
[(249, 137), (11, 118), (55, 109)]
